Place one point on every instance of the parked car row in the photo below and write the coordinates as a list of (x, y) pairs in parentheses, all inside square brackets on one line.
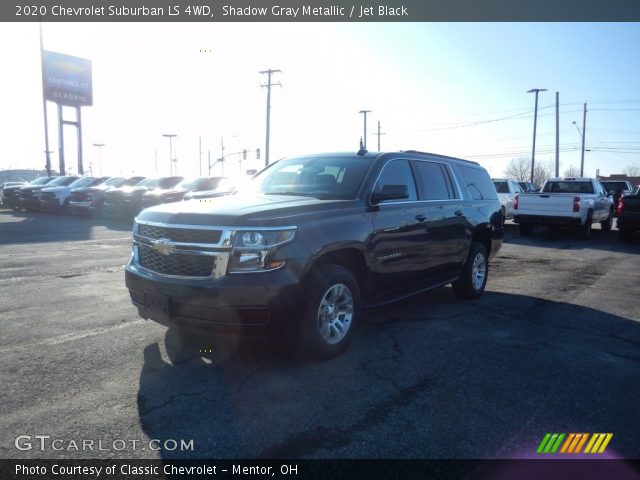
[(113, 197)]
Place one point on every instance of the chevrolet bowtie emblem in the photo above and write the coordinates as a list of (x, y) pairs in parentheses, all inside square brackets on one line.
[(164, 246)]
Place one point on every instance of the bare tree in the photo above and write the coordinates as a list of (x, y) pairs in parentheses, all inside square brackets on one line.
[(541, 173), (519, 169), (572, 171), (632, 171)]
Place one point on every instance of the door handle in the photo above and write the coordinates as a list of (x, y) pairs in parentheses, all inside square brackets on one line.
[(422, 217), (459, 213)]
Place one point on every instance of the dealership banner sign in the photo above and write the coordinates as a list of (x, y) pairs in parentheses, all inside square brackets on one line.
[(66, 80)]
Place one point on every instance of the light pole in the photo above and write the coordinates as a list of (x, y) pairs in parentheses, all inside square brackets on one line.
[(99, 145), (535, 122), (170, 136), (582, 150), (364, 141)]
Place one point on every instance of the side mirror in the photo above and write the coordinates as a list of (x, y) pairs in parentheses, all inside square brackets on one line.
[(390, 192), (612, 192)]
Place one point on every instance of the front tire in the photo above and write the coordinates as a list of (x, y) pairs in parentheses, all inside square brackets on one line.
[(331, 311), (475, 272)]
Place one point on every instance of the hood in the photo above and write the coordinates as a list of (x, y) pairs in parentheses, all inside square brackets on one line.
[(35, 188), (169, 191), (97, 188), (247, 209), (129, 190), (13, 187), (54, 189)]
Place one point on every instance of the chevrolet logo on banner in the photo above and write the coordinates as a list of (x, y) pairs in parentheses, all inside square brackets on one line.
[(592, 443)]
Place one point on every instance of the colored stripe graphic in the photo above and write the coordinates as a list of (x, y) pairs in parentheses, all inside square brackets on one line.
[(550, 443), (598, 442), (574, 443)]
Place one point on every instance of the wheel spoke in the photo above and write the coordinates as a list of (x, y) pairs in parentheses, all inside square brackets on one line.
[(335, 312)]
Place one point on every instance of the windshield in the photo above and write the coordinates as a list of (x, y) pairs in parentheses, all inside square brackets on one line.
[(42, 180), (114, 182), (130, 182), (82, 182), (62, 181), (149, 183), (169, 182), (320, 177)]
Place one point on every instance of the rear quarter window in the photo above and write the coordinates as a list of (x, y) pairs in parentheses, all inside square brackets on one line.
[(478, 182)]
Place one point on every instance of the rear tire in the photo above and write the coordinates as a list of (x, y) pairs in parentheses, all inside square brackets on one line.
[(526, 229), (331, 311), (608, 223), (475, 272), (585, 230)]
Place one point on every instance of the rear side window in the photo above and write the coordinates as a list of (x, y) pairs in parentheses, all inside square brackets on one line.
[(478, 183), (397, 172), (433, 180), (501, 187)]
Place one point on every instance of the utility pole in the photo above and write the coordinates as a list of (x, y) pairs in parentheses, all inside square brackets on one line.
[(584, 134), (378, 134), (535, 121), (268, 85), (170, 136), (364, 141), (557, 134)]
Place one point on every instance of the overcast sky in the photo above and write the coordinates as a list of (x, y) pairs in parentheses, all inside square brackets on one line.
[(456, 89)]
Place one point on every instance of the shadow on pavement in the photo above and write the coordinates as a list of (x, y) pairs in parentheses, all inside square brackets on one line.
[(568, 239), (483, 379)]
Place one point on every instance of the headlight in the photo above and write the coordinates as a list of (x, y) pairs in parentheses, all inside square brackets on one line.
[(253, 249)]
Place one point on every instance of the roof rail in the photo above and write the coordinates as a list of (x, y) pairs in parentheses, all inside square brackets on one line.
[(441, 156)]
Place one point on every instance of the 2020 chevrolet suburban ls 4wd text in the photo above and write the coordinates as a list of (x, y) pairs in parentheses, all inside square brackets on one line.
[(314, 239)]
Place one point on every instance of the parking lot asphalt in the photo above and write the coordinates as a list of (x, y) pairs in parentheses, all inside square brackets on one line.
[(552, 346)]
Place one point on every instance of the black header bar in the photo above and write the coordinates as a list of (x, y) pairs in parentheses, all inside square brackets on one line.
[(320, 11)]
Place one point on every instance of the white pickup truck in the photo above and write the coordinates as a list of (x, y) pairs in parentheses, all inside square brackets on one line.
[(507, 191), (565, 202)]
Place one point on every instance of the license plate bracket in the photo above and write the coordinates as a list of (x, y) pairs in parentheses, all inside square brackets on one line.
[(157, 306)]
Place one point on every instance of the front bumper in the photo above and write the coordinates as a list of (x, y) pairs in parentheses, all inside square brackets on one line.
[(50, 205), (29, 203), (82, 207), (247, 304)]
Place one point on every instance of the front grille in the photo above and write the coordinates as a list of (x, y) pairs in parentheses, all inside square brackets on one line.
[(114, 197), (48, 197), (176, 264), (11, 194), (79, 197), (183, 235)]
